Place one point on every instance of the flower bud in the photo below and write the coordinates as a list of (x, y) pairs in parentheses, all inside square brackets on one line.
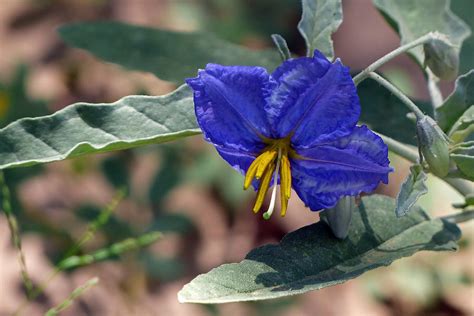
[(433, 146), (339, 217), (442, 58)]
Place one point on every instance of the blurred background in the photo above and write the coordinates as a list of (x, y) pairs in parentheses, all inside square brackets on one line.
[(184, 189)]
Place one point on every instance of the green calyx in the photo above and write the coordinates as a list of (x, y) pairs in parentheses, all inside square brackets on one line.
[(442, 57), (433, 145)]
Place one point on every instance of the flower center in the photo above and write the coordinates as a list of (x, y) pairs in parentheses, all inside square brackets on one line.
[(273, 161)]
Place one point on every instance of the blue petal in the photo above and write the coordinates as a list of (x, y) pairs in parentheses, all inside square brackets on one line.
[(239, 160), (348, 166), (313, 99), (229, 104)]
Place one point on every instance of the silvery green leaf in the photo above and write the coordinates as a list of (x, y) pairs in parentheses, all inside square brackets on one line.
[(84, 128), (320, 18), (310, 258)]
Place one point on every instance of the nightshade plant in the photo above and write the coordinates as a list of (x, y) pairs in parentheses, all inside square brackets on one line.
[(293, 120), (295, 126)]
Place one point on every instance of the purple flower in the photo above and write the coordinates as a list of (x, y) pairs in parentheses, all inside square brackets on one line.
[(296, 127)]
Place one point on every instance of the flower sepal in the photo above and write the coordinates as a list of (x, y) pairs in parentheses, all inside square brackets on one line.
[(434, 146), (339, 217)]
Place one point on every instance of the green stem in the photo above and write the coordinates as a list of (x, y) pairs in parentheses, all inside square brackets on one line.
[(400, 50), (92, 228), (15, 233), (460, 217), (400, 149), (114, 250), (462, 186), (435, 93), (72, 297), (399, 94)]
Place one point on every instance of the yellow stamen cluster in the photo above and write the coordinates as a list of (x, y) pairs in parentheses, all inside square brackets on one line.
[(273, 160)]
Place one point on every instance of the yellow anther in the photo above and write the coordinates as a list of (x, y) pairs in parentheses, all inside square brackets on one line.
[(273, 161), (264, 185), (251, 172), (285, 184), (267, 158), (285, 176), (284, 202)]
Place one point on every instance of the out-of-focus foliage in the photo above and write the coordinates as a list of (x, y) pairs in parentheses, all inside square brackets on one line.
[(171, 56), (15, 102)]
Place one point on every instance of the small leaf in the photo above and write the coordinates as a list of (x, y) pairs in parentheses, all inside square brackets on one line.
[(282, 46), (310, 258), (463, 129), (171, 56), (320, 18), (463, 156), (84, 128), (457, 102), (413, 19), (15, 103), (411, 190), (385, 113)]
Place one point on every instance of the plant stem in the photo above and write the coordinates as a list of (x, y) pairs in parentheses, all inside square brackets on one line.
[(459, 217), (462, 186), (399, 94), (435, 93), (400, 50), (72, 297), (400, 149), (15, 234), (92, 228), (411, 154)]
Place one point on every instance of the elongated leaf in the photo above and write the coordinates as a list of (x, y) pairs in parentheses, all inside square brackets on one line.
[(457, 103), (319, 20), (463, 156), (385, 113), (171, 56), (412, 188), (413, 19), (93, 128), (311, 258)]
